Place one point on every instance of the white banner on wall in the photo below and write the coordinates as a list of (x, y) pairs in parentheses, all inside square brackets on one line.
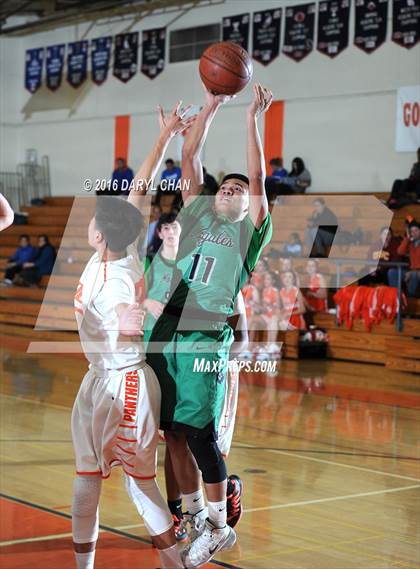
[(408, 119)]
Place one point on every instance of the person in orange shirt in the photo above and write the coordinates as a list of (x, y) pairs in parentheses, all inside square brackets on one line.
[(6, 213), (315, 296), (292, 304), (269, 315)]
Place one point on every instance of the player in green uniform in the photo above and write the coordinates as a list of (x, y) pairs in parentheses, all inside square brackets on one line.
[(221, 241), (158, 271)]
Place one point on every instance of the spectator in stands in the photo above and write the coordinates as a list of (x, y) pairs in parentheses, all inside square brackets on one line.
[(171, 171), (315, 293), (406, 191), (23, 254), (293, 246), (384, 249), (410, 247), (321, 229), (297, 181), (41, 265), (210, 184), (6, 213), (277, 170), (122, 177)]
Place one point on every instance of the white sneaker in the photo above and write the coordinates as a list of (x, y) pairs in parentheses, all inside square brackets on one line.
[(274, 351), (212, 540), (247, 355), (196, 522), (262, 354)]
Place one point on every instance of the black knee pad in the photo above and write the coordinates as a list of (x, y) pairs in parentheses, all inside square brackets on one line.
[(209, 458)]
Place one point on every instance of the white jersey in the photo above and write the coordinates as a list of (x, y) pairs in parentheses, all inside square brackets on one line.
[(103, 286)]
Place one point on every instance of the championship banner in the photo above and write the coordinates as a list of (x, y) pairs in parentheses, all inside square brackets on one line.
[(33, 68), (370, 24), (408, 119), (299, 31), (406, 22), (100, 56), (333, 27), (266, 35), (55, 62), (153, 52), (236, 29), (77, 62), (125, 56)]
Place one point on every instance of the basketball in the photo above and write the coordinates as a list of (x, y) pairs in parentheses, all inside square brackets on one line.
[(225, 68)]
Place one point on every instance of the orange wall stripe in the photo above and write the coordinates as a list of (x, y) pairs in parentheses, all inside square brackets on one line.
[(122, 137), (273, 132)]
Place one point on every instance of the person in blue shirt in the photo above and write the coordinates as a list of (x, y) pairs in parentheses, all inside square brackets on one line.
[(277, 170), (24, 253), (168, 183), (42, 264), (122, 177)]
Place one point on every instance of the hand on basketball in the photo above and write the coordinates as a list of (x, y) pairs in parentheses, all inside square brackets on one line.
[(175, 122), (213, 98), (262, 100), (131, 320)]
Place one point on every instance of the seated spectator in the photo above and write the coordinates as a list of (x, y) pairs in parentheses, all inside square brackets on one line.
[(210, 184), (297, 181), (168, 183), (410, 247), (315, 293), (292, 305), (406, 191), (286, 264), (384, 249), (41, 265), (277, 170), (24, 253), (293, 246), (321, 229), (121, 179)]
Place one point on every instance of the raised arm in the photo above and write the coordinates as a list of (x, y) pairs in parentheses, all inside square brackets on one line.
[(169, 127), (258, 204), (6, 213), (192, 168)]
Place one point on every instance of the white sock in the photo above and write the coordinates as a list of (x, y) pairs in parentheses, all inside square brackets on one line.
[(85, 560), (217, 513), (193, 502), (170, 558)]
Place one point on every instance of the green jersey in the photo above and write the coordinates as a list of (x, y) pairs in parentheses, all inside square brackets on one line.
[(158, 274), (215, 258)]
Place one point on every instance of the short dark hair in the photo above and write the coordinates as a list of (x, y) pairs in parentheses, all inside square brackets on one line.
[(276, 161), (169, 161), (165, 219), (119, 222), (237, 177), (319, 200), (24, 236)]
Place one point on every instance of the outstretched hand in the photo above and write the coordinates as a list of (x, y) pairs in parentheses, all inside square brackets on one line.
[(131, 320), (175, 122), (213, 98), (262, 100)]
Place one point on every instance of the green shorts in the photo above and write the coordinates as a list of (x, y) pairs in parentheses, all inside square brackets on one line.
[(191, 367)]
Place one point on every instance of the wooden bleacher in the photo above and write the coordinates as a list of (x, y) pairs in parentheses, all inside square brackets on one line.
[(20, 307)]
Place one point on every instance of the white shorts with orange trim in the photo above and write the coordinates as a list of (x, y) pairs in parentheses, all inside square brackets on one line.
[(227, 418), (115, 421)]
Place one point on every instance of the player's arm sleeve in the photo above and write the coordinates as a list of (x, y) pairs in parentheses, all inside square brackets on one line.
[(257, 239), (238, 322)]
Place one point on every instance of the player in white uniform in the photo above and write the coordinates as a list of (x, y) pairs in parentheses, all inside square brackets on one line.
[(116, 413)]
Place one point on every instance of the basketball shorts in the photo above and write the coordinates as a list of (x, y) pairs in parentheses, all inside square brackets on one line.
[(191, 367), (230, 404), (115, 422)]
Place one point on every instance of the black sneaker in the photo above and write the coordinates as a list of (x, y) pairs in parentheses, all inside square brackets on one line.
[(233, 500)]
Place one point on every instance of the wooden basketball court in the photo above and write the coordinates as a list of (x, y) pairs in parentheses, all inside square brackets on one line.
[(329, 455)]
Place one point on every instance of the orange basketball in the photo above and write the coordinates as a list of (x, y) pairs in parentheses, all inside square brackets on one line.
[(225, 68)]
